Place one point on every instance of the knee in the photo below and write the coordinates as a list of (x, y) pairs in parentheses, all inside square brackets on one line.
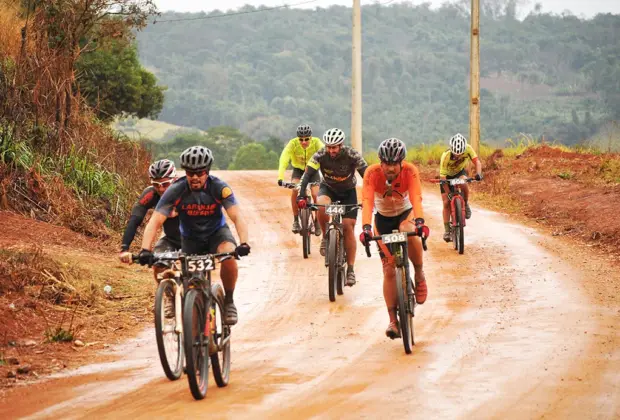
[(226, 247)]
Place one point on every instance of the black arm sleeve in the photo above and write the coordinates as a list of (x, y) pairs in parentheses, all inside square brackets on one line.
[(130, 231), (310, 171), (362, 170)]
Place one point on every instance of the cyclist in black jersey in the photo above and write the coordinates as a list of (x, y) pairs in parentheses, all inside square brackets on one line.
[(199, 199), (162, 174), (338, 164)]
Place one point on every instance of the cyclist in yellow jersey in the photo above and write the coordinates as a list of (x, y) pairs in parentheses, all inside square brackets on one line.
[(298, 152), (452, 165)]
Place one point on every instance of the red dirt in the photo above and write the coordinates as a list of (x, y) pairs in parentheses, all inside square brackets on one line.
[(98, 324)]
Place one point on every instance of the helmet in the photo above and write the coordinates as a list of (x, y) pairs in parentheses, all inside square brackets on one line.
[(392, 150), (304, 131), (458, 143), (162, 169), (196, 158), (333, 137)]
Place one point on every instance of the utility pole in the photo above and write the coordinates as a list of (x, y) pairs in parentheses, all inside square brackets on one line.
[(474, 77), (356, 79)]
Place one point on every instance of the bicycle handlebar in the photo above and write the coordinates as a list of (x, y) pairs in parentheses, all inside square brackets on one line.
[(380, 237), (181, 256)]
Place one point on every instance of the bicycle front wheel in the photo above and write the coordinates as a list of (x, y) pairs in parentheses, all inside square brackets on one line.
[(459, 234), (220, 338), (196, 343), (305, 231), (332, 252), (405, 317), (169, 341)]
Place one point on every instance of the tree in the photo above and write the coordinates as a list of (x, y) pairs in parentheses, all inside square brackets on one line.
[(254, 156), (114, 83)]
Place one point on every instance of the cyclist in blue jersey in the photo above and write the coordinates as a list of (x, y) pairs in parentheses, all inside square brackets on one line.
[(199, 198)]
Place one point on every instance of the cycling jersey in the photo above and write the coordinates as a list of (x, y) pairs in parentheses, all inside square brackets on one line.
[(339, 172), (297, 155), (148, 200), (394, 199), (451, 165), (200, 212)]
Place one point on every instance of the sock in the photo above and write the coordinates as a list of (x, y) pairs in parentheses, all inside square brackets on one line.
[(447, 226), (228, 297)]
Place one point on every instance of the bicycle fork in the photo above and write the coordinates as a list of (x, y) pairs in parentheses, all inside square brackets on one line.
[(453, 210)]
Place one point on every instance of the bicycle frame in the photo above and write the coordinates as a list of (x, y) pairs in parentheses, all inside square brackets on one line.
[(335, 218)]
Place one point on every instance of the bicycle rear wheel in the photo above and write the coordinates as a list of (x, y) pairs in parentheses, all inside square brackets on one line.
[(332, 252), (459, 235), (169, 342), (405, 317), (220, 338), (196, 352)]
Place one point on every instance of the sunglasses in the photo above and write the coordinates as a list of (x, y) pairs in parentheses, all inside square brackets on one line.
[(304, 139), (195, 173), (161, 184)]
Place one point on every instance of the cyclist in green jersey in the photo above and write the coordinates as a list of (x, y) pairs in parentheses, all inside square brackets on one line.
[(298, 152)]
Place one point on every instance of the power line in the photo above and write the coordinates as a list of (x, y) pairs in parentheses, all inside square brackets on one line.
[(236, 13)]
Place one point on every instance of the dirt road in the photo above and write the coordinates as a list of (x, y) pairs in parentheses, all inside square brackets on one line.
[(510, 330)]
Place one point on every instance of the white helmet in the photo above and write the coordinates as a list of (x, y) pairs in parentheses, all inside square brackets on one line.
[(333, 137), (458, 143), (162, 169)]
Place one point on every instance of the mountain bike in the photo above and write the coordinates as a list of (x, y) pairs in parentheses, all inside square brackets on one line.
[(457, 211), (397, 244), (335, 252), (206, 337), (306, 218)]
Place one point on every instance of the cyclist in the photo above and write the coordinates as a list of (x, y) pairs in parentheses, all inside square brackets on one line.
[(338, 164), (393, 188), (162, 174), (452, 165), (298, 151), (199, 198)]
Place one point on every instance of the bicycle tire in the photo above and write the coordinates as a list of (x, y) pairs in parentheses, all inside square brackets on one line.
[(342, 274), (459, 234), (173, 366), (332, 252), (404, 317), (305, 232), (220, 360), (196, 353)]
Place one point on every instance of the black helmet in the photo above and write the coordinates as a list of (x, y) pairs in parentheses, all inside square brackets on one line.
[(304, 131), (392, 150), (196, 158)]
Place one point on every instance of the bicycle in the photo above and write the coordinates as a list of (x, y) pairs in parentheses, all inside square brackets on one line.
[(209, 336), (306, 218), (335, 252), (397, 244), (170, 287), (457, 211)]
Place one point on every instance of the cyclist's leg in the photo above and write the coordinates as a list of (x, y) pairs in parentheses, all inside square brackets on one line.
[(164, 244), (385, 225), (465, 190), (296, 177), (315, 195), (350, 242), (325, 196), (414, 248), (224, 241)]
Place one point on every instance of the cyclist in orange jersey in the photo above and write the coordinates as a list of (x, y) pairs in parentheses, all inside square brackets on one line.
[(393, 188)]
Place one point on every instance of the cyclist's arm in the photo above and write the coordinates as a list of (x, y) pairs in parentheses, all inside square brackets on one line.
[(368, 198), (150, 233), (478, 164), (147, 200), (443, 170), (415, 194), (240, 224), (285, 158), (308, 174)]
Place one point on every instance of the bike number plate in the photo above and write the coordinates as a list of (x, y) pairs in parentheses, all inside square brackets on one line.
[(201, 263), (457, 181), (393, 238), (334, 210)]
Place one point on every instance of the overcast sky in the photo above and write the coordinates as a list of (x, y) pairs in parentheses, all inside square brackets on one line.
[(587, 8)]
